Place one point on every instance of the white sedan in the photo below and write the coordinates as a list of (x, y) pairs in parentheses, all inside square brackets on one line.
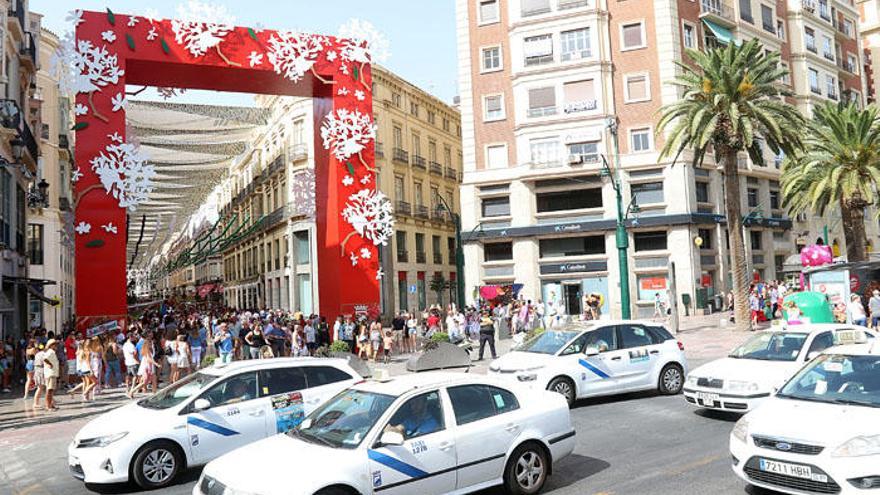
[(821, 432), (431, 433), (202, 416), (598, 358), (752, 371)]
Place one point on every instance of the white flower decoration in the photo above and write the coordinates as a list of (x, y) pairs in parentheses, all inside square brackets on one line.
[(75, 16), (380, 274), (347, 180), (87, 68), (360, 95), (118, 102), (255, 59), (343, 68), (76, 175), (331, 56), (201, 26), (347, 132), (354, 259), (366, 253), (109, 36), (365, 179), (83, 228), (292, 53), (124, 173), (342, 92), (362, 42), (151, 14), (115, 137), (109, 227), (132, 22), (80, 109), (370, 214), (152, 34)]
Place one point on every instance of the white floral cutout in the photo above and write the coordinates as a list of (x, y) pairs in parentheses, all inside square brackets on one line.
[(365, 179), (109, 227), (366, 253), (346, 132), (201, 26), (370, 215), (151, 14), (380, 274), (331, 56), (124, 172), (83, 228), (347, 180), (93, 68), (76, 175), (75, 16), (132, 21), (292, 53), (118, 102), (152, 34), (342, 91), (360, 95), (343, 68), (354, 259), (80, 109), (255, 59), (109, 36), (362, 42), (115, 137)]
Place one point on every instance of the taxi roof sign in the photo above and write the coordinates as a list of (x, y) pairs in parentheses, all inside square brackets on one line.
[(850, 336)]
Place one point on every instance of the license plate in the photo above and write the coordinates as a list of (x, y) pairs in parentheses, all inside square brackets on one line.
[(708, 399), (794, 470)]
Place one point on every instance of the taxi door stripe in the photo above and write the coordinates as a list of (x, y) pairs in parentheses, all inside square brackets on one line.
[(222, 430), (396, 464), (601, 374)]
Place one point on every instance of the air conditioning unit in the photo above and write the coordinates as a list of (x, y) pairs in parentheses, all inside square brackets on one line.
[(575, 159)]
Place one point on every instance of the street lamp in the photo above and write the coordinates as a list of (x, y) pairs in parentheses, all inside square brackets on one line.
[(459, 252), (38, 195), (620, 233)]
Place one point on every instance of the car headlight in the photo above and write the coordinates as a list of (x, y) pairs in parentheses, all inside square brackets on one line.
[(741, 386), (100, 441), (741, 430), (858, 447), (692, 380)]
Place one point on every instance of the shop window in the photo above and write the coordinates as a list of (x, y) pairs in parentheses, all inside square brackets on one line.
[(647, 193), (498, 251), (650, 241), (569, 200), (571, 246)]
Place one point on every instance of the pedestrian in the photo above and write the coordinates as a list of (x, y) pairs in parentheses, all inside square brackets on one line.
[(388, 343), (113, 373), (255, 341), (874, 308), (51, 371), (311, 337), (146, 368), (856, 310), (170, 347), (224, 343), (658, 307), (323, 332), (39, 375), (363, 342), (184, 356), (130, 358), (6, 359), (350, 333), (487, 336), (29, 353), (198, 339)]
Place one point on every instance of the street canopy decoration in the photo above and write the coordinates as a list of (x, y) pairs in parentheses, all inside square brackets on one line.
[(205, 50)]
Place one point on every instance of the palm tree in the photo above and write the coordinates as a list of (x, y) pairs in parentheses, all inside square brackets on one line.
[(731, 101), (839, 167)]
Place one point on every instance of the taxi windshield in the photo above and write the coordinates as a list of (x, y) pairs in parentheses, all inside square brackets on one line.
[(178, 392), (771, 346), (345, 420), (837, 379), (548, 342)]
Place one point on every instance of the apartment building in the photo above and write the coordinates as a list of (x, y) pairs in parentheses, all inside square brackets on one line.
[(553, 90), (869, 31), (49, 201), (419, 157)]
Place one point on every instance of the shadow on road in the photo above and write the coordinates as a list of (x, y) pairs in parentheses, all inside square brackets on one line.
[(730, 417), (568, 472), (611, 399), (189, 476)]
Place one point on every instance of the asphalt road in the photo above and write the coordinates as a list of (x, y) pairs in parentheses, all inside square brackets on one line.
[(630, 444)]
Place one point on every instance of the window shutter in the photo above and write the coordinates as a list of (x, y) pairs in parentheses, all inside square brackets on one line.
[(637, 87), (542, 98), (576, 92), (632, 35)]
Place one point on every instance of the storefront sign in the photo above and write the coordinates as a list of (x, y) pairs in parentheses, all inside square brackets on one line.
[(583, 266), (101, 329)]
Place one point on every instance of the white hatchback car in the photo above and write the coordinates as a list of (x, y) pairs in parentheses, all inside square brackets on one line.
[(430, 434), (820, 433), (589, 359), (752, 371), (203, 416)]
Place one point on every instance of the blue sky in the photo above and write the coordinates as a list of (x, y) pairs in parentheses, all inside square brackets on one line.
[(421, 32)]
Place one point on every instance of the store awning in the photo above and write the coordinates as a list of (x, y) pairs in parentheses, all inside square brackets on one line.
[(722, 33), (37, 295)]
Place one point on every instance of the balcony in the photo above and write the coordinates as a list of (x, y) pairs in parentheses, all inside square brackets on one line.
[(579, 106), (403, 208), (538, 60), (438, 259), (828, 56), (299, 152), (10, 118), (421, 211), (572, 4), (841, 30), (541, 112), (436, 169), (402, 256), (63, 141), (28, 51), (452, 256), (846, 66), (809, 5), (718, 11), (419, 162), (450, 173), (440, 215), (421, 257), (17, 13), (401, 156), (811, 45)]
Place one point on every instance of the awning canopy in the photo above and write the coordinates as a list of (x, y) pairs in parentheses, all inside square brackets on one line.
[(722, 33)]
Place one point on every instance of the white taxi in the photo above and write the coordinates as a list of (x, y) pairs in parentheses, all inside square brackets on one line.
[(752, 371), (202, 416), (430, 433), (589, 359), (820, 433)]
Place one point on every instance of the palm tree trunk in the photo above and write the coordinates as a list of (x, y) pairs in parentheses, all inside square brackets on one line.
[(852, 213), (738, 260)]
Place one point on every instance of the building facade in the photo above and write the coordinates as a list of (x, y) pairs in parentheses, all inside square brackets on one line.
[(49, 247), (418, 154), (869, 30), (553, 91)]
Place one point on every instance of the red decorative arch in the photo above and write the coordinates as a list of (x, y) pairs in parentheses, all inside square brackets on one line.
[(114, 50)]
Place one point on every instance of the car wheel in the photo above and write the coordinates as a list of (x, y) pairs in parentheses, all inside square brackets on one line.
[(671, 380), (526, 470), (336, 490), (563, 386), (156, 464)]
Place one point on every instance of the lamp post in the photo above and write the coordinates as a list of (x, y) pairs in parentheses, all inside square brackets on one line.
[(620, 232), (459, 251)]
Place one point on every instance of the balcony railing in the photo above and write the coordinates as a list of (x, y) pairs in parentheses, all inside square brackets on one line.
[(542, 111), (450, 173), (29, 47), (421, 257), (10, 118), (811, 46), (847, 66), (299, 152), (828, 56), (809, 5), (572, 4), (421, 211), (436, 168), (403, 208), (401, 155), (402, 256), (579, 106), (419, 162), (716, 8), (438, 259), (539, 60), (452, 256)]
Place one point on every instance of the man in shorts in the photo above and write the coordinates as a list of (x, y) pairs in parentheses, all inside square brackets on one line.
[(51, 372), (130, 356)]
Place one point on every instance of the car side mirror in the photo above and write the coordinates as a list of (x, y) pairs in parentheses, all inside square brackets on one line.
[(391, 438), (201, 405), (306, 424), (592, 351)]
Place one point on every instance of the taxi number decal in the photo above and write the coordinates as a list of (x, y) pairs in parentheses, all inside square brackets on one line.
[(639, 355), (377, 479), (418, 447), (233, 411)]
